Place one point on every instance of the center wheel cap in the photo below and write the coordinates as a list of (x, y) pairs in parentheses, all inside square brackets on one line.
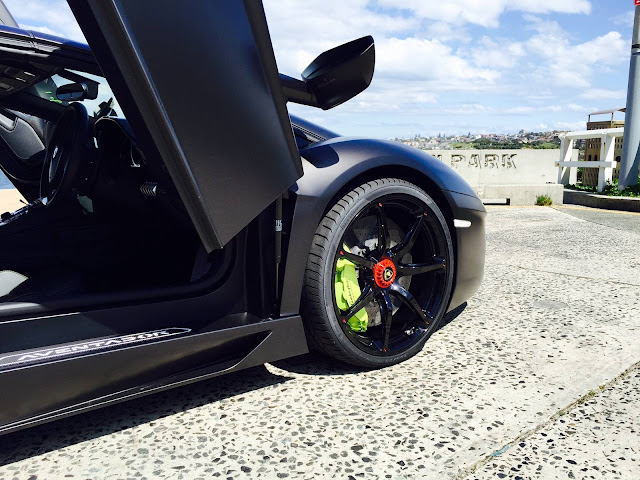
[(384, 272)]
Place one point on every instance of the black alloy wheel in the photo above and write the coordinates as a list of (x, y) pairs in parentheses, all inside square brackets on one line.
[(399, 243)]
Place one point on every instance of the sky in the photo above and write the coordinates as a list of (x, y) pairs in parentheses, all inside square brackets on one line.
[(444, 66)]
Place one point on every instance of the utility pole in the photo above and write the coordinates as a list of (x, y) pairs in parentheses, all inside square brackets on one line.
[(630, 159)]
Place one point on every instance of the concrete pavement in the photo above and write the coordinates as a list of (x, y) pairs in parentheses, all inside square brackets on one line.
[(597, 437), (620, 220), (557, 317)]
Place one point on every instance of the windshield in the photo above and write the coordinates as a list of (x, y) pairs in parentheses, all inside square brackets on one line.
[(47, 89)]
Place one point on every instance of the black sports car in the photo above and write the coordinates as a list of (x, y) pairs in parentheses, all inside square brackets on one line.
[(199, 229)]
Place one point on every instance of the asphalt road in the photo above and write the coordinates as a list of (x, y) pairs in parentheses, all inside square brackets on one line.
[(537, 377)]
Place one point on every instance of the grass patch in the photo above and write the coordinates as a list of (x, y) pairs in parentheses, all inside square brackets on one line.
[(590, 395), (462, 145), (544, 200), (611, 190)]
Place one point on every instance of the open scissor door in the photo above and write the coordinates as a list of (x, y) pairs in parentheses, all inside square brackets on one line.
[(198, 83)]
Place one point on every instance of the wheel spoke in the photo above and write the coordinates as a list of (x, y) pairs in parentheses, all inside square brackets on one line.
[(363, 300), (401, 249), (409, 300), (386, 311), (384, 238), (437, 263), (357, 259)]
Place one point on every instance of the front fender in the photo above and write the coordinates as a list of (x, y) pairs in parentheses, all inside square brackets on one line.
[(337, 161), (334, 164)]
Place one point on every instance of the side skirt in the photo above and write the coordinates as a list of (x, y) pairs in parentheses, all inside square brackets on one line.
[(39, 391)]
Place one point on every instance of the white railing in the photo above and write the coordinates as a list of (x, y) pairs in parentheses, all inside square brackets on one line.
[(607, 162)]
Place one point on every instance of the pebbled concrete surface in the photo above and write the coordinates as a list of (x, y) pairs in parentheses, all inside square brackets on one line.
[(556, 318), (624, 221), (598, 438)]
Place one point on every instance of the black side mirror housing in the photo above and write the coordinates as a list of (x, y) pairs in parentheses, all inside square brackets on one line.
[(341, 73), (72, 92), (335, 76)]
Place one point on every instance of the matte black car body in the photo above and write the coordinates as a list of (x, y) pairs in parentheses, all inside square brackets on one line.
[(334, 166), (65, 357)]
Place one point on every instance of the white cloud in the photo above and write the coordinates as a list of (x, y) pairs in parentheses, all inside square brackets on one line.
[(41, 15), (571, 126), (550, 6), (520, 110), (387, 97), (574, 107), (533, 109), (486, 12), (497, 54), (318, 26), (485, 110), (431, 61), (625, 19), (604, 94), (446, 32), (609, 49), (41, 28), (570, 65)]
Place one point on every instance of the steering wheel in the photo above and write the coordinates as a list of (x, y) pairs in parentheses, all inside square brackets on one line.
[(66, 154)]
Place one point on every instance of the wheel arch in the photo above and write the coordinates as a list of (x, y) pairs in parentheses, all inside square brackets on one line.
[(402, 172), (335, 167)]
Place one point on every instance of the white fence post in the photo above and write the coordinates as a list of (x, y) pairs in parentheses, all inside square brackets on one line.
[(609, 150), (566, 150), (606, 164)]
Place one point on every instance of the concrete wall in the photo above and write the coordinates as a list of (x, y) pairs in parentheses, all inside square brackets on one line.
[(519, 194), (515, 177)]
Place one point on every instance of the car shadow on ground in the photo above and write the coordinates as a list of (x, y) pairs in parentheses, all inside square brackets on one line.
[(315, 363), (105, 421), (42, 439)]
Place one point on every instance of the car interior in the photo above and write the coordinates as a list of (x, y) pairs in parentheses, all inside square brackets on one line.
[(99, 215)]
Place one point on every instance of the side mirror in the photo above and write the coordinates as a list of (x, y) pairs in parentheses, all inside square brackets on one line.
[(72, 92), (341, 73), (335, 76)]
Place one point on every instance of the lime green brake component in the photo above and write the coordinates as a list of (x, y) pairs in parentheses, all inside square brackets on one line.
[(348, 291)]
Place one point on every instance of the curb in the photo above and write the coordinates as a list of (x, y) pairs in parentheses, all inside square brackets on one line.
[(625, 204)]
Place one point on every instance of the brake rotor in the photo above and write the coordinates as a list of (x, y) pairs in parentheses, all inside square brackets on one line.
[(364, 235)]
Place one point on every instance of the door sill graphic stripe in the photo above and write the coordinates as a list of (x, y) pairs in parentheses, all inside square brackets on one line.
[(87, 346)]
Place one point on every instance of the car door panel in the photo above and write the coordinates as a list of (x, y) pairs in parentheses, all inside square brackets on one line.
[(199, 85)]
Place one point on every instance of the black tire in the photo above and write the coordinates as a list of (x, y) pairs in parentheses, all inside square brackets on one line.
[(402, 211)]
